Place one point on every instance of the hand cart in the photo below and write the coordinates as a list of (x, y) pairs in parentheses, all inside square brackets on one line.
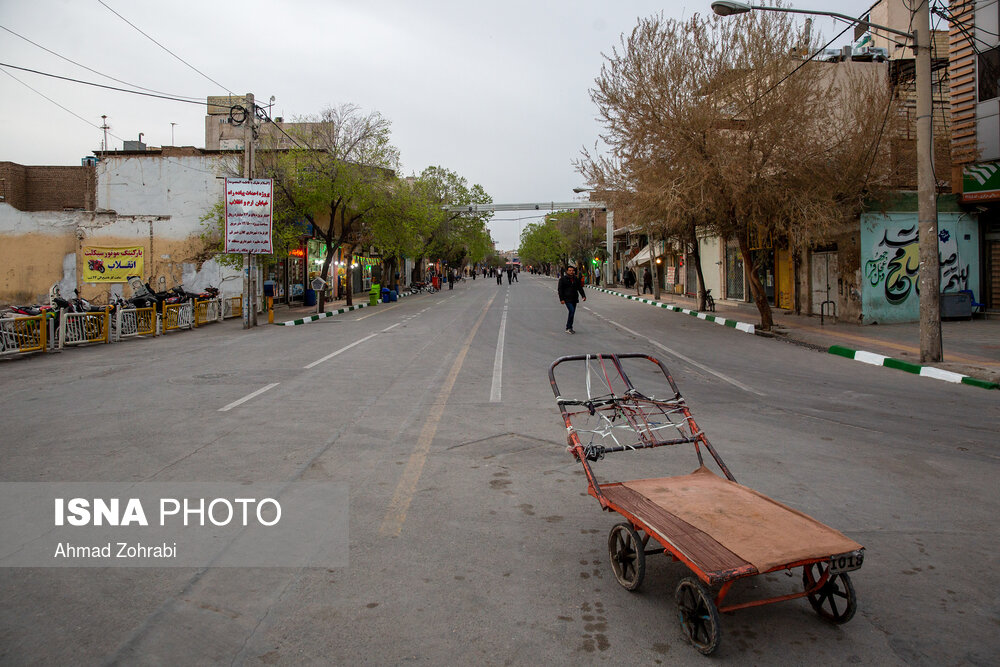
[(722, 531)]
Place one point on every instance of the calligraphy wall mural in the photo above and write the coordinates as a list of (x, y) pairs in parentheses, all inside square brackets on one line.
[(890, 263)]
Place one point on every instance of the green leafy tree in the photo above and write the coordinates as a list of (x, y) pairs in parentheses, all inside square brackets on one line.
[(337, 178), (453, 237)]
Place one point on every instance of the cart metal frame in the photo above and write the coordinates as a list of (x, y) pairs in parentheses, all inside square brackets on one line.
[(825, 580)]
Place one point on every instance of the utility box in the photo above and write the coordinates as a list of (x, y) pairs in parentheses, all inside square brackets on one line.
[(956, 304)]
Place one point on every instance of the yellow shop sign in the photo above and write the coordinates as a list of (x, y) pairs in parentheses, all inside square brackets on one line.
[(111, 265)]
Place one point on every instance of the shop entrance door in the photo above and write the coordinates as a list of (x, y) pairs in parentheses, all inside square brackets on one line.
[(783, 269), (735, 279), (824, 283)]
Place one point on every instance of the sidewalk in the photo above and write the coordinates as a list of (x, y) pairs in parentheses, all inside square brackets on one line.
[(971, 347)]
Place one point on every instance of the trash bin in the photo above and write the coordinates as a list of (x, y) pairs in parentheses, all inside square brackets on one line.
[(394, 295), (373, 295), (385, 294), (310, 297)]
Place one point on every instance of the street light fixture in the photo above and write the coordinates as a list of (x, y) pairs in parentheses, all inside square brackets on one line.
[(930, 263)]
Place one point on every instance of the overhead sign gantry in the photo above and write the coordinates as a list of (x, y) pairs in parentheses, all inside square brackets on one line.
[(609, 266)]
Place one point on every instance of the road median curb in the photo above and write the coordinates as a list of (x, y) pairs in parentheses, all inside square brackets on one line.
[(923, 371), (745, 327), (330, 313)]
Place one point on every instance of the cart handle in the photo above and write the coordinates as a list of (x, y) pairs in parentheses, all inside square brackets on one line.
[(615, 360)]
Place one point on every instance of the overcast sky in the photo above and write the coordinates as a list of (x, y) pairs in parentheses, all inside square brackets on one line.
[(496, 91)]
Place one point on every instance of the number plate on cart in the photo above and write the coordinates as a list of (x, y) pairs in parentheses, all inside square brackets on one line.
[(847, 562)]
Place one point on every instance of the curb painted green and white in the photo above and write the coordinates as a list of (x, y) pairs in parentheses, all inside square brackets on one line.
[(330, 313), (732, 324), (916, 369)]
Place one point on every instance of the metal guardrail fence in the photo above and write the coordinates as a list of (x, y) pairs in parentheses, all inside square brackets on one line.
[(133, 322), (22, 334), (177, 316), (79, 328), (232, 307), (207, 311), (39, 333)]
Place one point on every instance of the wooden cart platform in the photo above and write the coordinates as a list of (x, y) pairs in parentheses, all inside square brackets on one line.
[(721, 528)]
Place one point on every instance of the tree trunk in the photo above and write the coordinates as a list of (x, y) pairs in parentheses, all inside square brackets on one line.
[(325, 276), (759, 297), (796, 267), (389, 272), (349, 274), (696, 253)]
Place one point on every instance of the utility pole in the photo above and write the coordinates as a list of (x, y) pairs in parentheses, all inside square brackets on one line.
[(930, 269), (249, 281), (609, 265), (930, 262)]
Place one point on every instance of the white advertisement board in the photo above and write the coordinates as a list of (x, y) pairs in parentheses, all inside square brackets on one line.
[(248, 215)]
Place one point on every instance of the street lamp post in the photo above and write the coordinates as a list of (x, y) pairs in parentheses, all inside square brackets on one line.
[(930, 267)]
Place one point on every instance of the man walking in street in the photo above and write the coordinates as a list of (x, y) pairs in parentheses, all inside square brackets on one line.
[(647, 281), (569, 287)]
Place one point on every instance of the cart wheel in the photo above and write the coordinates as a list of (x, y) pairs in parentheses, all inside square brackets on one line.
[(698, 614), (628, 559), (836, 600)]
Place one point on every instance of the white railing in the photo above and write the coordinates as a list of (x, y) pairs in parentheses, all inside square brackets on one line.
[(80, 328), (22, 334)]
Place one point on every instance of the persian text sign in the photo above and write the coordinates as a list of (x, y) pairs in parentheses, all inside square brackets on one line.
[(981, 182), (248, 215), (111, 265)]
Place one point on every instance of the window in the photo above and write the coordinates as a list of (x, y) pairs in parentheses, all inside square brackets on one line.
[(989, 74)]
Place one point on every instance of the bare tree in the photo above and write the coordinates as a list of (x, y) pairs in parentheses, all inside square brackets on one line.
[(712, 125)]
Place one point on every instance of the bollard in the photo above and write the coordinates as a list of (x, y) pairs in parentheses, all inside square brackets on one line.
[(270, 310)]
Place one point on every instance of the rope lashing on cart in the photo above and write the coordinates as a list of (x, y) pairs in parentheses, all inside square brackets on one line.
[(628, 413)]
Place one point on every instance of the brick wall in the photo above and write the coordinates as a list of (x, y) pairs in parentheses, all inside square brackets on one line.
[(13, 184), (44, 188)]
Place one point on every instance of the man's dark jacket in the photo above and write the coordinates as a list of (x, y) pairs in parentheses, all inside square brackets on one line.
[(569, 287)]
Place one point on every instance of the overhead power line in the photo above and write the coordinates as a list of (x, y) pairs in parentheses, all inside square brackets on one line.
[(121, 90), (258, 111), (164, 48), (37, 92), (89, 69)]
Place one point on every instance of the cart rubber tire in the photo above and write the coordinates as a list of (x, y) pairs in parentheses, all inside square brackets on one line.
[(836, 601), (627, 555), (698, 615)]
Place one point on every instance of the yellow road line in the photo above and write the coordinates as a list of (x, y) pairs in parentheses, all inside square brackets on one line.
[(392, 524)]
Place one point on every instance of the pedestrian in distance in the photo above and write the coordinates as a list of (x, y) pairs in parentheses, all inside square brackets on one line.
[(510, 274), (629, 278), (451, 278), (570, 288), (499, 277), (647, 281), (516, 271)]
